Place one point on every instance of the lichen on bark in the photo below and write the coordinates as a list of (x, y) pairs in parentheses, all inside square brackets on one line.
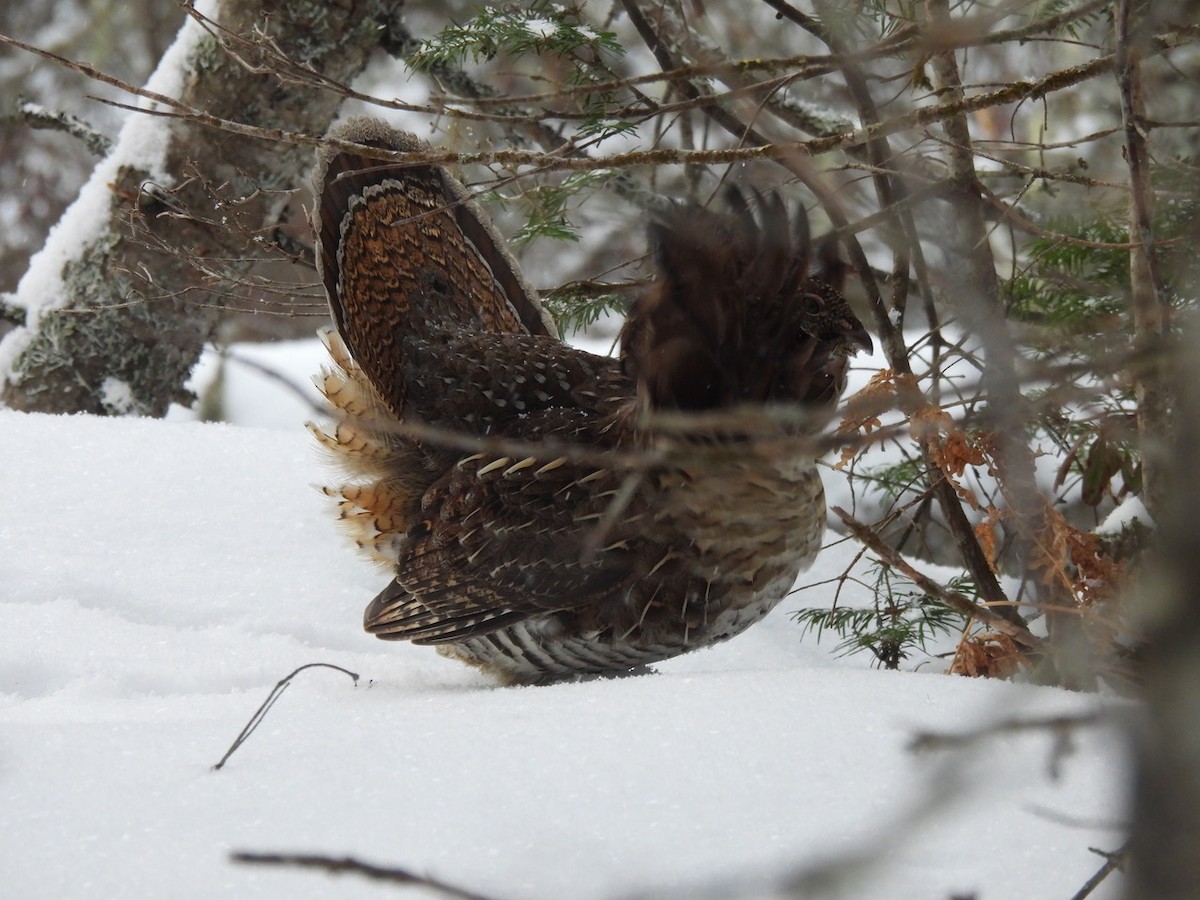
[(136, 310)]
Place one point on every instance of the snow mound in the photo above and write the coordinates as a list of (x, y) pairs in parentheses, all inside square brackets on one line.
[(160, 578)]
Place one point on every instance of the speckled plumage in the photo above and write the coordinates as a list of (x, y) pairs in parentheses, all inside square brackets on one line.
[(568, 533)]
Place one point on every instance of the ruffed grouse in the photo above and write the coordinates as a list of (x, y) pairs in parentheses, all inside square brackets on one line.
[(548, 512)]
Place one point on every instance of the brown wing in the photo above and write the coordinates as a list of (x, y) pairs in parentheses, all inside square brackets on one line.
[(500, 538)]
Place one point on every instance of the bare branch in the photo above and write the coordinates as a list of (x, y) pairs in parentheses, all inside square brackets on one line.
[(550, 162), (340, 865), (1113, 861), (952, 599), (261, 712)]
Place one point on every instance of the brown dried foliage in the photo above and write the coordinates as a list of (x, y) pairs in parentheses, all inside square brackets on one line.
[(1075, 561), (988, 655)]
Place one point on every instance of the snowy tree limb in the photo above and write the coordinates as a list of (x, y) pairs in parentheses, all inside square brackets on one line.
[(114, 322), (37, 116)]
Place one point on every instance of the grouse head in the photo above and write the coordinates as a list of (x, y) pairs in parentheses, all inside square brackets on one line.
[(734, 317)]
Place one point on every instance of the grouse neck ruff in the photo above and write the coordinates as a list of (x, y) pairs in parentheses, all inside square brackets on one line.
[(535, 520)]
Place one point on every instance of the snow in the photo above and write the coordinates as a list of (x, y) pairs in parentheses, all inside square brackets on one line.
[(117, 396), (1130, 510), (543, 28), (159, 578)]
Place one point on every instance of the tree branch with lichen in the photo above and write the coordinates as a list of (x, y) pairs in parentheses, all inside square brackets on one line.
[(146, 315)]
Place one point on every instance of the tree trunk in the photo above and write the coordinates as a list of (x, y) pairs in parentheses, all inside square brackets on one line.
[(1165, 847), (1148, 294), (116, 306)]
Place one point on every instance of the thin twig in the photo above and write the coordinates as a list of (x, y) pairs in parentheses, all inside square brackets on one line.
[(37, 116), (1112, 861), (338, 865), (261, 712), (953, 599), (278, 377), (926, 741), (782, 150), (1061, 730)]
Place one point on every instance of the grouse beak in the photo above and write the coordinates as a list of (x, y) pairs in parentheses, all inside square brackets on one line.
[(859, 340)]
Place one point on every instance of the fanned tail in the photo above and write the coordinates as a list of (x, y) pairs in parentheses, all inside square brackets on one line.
[(386, 470), (403, 250), (405, 255)]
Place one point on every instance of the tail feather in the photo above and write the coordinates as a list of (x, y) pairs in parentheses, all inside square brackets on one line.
[(404, 250), (404, 254), (382, 494)]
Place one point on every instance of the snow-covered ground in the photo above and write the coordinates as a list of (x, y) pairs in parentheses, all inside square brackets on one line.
[(160, 577)]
